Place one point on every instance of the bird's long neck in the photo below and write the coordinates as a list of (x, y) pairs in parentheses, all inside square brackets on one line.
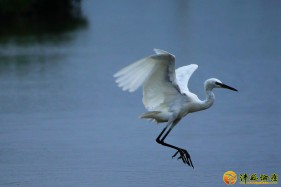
[(210, 98)]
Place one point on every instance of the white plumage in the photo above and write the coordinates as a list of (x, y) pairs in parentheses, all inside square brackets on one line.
[(161, 83), (165, 91)]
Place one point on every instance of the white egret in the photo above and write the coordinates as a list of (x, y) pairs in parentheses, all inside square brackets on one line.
[(165, 92)]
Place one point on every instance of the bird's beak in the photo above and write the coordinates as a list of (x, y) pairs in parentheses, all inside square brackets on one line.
[(228, 87)]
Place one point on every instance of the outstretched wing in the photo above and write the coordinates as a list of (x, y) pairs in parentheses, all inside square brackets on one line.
[(157, 75), (183, 75)]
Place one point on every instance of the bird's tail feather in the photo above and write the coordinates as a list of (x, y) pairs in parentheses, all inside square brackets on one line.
[(153, 116)]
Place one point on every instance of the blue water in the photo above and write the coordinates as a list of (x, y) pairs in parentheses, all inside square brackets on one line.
[(64, 122)]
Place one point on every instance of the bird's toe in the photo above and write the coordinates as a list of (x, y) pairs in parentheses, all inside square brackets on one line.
[(175, 154)]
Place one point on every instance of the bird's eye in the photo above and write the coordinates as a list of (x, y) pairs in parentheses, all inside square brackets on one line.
[(218, 83)]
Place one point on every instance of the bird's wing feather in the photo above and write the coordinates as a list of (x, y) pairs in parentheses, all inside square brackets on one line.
[(157, 75), (133, 76), (183, 75), (159, 89)]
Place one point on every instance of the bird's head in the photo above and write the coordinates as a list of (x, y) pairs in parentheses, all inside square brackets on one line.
[(216, 83)]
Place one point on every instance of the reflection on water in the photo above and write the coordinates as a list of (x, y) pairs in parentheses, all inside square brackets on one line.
[(33, 46), (63, 118), (33, 50), (39, 21)]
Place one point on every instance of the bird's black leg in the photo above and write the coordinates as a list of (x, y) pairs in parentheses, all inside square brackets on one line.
[(183, 153)]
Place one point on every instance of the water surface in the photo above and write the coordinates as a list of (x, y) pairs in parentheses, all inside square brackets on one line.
[(64, 122)]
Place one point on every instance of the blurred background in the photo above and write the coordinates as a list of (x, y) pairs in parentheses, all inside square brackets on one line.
[(64, 122)]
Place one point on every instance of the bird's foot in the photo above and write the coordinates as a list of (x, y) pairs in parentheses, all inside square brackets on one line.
[(184, 156)]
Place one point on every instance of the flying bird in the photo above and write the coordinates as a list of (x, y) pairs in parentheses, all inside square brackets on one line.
[(165, 92)]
